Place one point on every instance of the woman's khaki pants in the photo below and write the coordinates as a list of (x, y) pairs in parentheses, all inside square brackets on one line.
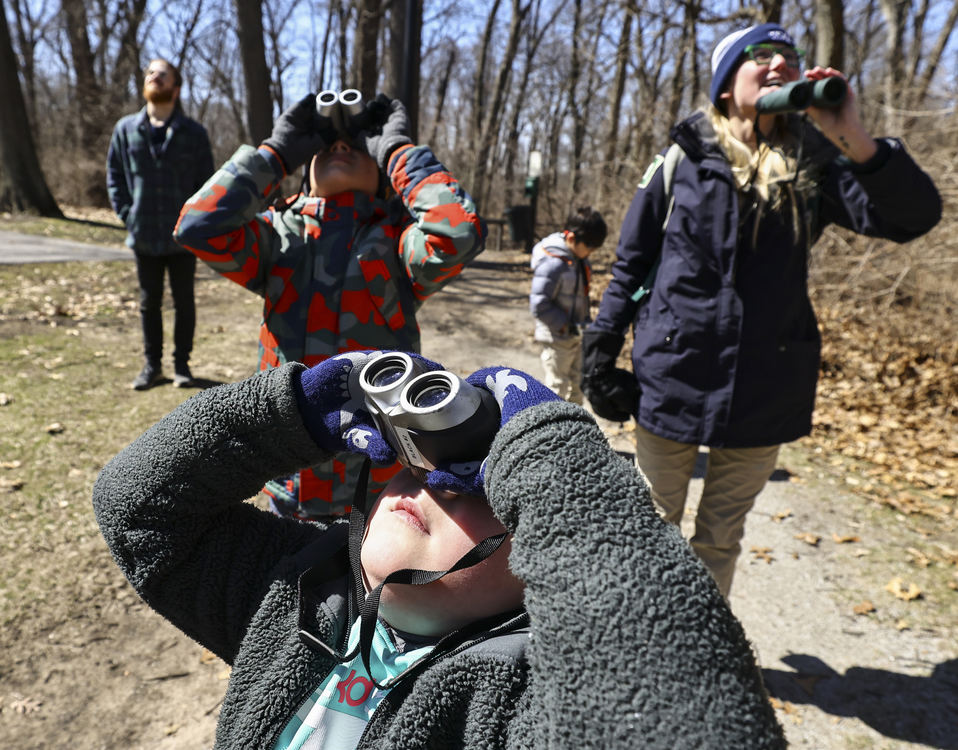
[(733, 479)]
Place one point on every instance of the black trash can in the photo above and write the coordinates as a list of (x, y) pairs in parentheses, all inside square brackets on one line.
[(519, 220)]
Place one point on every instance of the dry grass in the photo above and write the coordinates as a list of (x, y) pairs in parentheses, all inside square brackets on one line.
[(70, 342)]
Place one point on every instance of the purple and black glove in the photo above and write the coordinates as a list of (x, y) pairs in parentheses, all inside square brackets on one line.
[(334, 410), (514, 391)]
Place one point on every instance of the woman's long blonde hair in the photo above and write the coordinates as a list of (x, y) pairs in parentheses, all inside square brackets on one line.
[(771, 170), (763, 169)]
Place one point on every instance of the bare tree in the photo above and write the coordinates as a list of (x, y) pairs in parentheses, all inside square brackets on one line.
[(445, 72), (365, 57), (572, 83), (895, 13), (618, 89), (22, 185), (490, 125), (259, 105), (278, 57), (342, 21), (535, 33), (922, 81), (830, 33), (88, 92), (479, 79), (686, 50), (30, 23)]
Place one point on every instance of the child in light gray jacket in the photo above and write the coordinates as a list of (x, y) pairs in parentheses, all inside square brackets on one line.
[(559, 299)]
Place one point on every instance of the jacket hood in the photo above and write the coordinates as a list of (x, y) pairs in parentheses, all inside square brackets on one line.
[(550, 247)]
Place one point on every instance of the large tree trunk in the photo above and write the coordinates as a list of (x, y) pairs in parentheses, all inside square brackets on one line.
[(830, 33), (22, 186), (259, 106), (87, 99), (365, 60), (404, 58)]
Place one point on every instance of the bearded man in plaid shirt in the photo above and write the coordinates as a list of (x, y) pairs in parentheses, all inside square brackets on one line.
[(158, 158)]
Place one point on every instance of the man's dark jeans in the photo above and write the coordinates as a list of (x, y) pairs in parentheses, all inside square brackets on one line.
[(150, 271)]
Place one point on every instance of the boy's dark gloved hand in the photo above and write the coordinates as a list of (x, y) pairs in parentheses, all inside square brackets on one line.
[(333, 407), (299, 133), (394, 132), (515, 391)]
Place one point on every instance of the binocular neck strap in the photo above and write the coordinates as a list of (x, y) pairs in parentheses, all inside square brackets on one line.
[(368, 606)]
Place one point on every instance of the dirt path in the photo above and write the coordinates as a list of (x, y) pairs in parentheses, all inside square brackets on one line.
[(112, 674), (881, 679)]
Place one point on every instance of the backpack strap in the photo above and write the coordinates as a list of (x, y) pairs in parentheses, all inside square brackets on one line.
[(669, 162)]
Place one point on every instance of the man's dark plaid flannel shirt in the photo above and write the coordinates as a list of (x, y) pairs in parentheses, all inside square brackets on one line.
[(148, 184)]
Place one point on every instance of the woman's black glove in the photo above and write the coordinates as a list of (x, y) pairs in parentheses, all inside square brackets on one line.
[(612, 392), (384, 138), (299, 133)]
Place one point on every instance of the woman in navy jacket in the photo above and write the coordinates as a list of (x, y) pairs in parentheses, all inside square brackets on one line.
[(726, 350)]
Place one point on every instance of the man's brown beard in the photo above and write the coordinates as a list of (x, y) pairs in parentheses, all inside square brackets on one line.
[(158, 96)]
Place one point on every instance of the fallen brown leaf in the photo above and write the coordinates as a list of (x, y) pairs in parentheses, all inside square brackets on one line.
[(864, 608), (810, 539), (844, 539), (782, 515), (907, 593), (762, 553), (21, 705), (918, 558), (207, 657)]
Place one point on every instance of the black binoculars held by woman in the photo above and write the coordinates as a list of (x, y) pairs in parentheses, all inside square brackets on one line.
[(793, 97)]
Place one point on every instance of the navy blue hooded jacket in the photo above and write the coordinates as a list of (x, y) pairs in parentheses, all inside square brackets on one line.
[(726, 349)]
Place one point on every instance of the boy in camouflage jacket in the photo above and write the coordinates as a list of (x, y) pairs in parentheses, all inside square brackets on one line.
[(341, 268)]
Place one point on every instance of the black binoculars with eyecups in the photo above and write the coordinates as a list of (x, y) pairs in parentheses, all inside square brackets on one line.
[(793, 97), (429, 417), (346, 110)]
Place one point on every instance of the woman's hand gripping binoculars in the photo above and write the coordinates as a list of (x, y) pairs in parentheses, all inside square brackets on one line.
[(828, 93)]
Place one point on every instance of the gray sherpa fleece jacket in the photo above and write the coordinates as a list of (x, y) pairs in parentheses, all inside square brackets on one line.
[(631, 643)]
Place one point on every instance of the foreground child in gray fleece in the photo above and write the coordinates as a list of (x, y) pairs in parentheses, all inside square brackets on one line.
[(591, 625)]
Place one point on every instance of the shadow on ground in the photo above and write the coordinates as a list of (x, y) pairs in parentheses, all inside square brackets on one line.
[(198, 384), (900, 706)]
